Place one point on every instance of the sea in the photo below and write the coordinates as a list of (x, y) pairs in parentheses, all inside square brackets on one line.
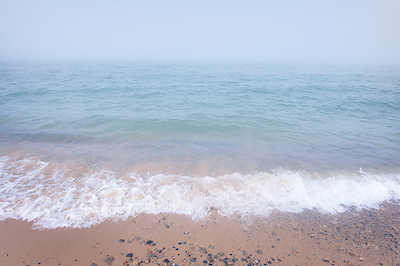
[(81, 143)]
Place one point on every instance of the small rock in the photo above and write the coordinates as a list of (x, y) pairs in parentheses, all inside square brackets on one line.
[(135, 262), (361, 258), (121, 241), (211, 246), (5, 255), (109, 260), (147, 261), (166, 225), (202, 250), (325, 260), (129, 255), (259, 251)]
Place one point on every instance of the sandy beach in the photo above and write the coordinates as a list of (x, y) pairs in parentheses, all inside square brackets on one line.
[(368, 237)]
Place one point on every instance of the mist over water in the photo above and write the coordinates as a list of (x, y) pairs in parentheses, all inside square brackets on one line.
[(81, 143)]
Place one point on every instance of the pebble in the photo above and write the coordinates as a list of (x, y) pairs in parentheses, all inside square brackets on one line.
[(109, 260), (202, 250), (150, 243), (129, 255), (121, 240), (135, 262)]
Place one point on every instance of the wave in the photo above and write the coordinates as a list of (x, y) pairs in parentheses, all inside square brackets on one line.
[(55, 195)]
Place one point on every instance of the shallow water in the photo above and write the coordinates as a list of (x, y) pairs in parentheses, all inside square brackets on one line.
[(81, 143)]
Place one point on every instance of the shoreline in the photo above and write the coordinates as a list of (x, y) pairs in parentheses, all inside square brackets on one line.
[(367, 237)]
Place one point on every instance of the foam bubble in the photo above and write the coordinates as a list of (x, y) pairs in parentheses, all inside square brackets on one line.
[(47, 193)]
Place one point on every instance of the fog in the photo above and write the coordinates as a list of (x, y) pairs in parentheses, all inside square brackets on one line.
[(269, 31)]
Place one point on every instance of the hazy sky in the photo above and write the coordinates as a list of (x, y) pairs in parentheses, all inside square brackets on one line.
[(361, 31)]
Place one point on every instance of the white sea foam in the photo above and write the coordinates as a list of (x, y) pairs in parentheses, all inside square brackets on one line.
[(46, 193)]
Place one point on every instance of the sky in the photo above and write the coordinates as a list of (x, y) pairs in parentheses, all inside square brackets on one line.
[(307, 31)]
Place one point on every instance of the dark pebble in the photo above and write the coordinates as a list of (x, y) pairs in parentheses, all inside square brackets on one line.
[(193, 259), (121, 240), (205, 262), (166, 225), (166, 261), (150, 242), (129, 255)]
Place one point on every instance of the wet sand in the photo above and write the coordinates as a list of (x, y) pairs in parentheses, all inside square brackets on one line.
[(368, 237)]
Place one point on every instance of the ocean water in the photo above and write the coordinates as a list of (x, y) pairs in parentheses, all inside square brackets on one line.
[(81, 143)]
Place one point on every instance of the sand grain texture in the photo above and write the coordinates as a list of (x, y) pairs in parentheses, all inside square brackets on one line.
[(369, 237)]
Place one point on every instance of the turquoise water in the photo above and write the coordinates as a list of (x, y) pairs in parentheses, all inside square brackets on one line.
[(188, 124)]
